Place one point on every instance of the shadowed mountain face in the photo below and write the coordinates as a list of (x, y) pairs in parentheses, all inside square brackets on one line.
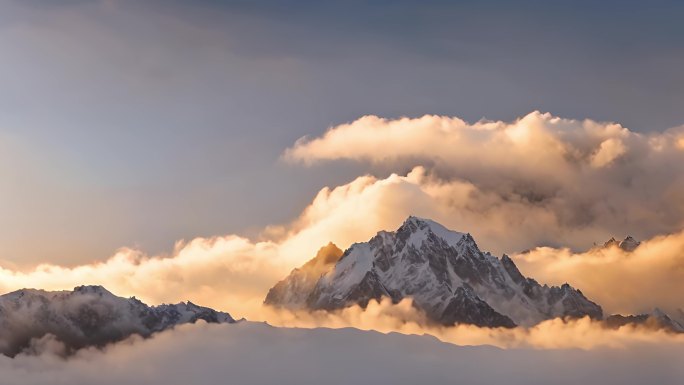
[(656, 320), (443, 271), (301, 281), (87, 316)]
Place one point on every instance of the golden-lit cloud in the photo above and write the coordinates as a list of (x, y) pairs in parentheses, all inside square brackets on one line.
[(579, 182), (234, 273), (226, 272), (403, 318), (537, 181), (621, 281)]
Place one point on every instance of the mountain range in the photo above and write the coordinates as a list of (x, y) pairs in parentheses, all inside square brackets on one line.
[(628, 244), (88, 316), (447, 276), (443, 271)]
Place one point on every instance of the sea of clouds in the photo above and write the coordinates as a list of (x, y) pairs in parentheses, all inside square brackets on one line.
[(251, 353), (541, 188)]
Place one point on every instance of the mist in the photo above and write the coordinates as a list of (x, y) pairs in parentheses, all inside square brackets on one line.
[(249, 353), (403, 317)]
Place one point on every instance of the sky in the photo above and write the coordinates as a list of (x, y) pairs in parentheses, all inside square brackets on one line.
[(139, 124), (200, 150)]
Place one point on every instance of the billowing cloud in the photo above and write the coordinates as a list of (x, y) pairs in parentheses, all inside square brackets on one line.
[(386, 317), (540, 180), (250, 353), (621, 281), (225, 272), (566, 182), (233, 273)]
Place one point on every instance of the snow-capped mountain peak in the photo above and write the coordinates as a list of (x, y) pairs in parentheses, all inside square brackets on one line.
[(92, 289), (628, 244), (88, 315), (420, 228), (445, 274)]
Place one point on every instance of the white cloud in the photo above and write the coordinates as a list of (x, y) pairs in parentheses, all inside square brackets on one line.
[(234, 274), (625, 282), (403, 318), (225, 272), (541, 180), (579, 181), (258, 354)]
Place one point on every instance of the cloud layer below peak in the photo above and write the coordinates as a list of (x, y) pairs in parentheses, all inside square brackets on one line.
[(249, 353), (538, 181)]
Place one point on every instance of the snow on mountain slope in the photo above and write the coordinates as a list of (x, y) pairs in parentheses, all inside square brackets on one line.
[(88, 315), (445, 274)]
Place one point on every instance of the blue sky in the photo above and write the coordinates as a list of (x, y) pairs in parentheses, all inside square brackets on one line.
[(138, 123)]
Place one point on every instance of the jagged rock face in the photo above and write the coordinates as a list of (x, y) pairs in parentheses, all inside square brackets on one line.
[(656, 320), (88, 316), (465, 307), (445, 274)]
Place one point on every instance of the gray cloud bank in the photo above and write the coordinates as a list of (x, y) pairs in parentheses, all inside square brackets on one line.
[(250, 353)]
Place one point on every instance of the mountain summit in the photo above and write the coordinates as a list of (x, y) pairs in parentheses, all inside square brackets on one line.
[(628, 244), (443, 271)]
